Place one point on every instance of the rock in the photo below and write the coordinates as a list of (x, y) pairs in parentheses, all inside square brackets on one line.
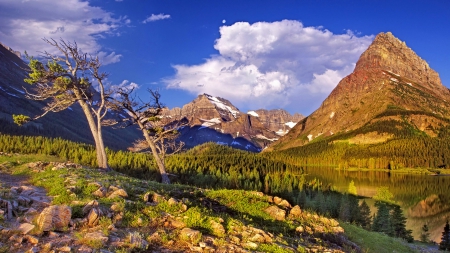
[(94, 216), (299, 229), (116, 207), (157, 198), (257, 238), (87, 208), (31, 239), (55, 217), (217, 228), (276, 213), (16, 238), (295, 212), (173, 201), (65, 249), (250, 245), (25, 228), (118, 193), (177, 224), (96, 236), (190, 235), (100, 192), (137, 242), (281, 202)]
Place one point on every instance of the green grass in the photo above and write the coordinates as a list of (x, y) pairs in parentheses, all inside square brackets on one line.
[(375, 242)]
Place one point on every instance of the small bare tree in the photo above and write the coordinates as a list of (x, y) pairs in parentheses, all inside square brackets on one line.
[(68, 78), (159, 132)]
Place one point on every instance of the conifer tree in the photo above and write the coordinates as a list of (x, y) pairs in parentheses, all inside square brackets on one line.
[(344, 210), (445, 239), (382, 221), (398, 223), (425, 235), (364, 219)]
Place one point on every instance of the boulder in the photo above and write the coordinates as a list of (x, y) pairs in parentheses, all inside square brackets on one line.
[(100, 192), (96, 236), (217, 228), (55, 217), (295, 212), (276, 213), (118, 193), (190, 234), (25, 228), (87, 208), (94, 216)]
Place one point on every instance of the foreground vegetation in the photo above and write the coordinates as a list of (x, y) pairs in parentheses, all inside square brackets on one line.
[(159, 215)]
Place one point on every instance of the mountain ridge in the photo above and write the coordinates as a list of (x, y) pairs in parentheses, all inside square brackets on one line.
[(388, 75)]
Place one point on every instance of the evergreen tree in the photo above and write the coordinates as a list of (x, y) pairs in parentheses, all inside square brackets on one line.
[(425, 235), (344, 211), (445, 239), (364, 219), (382, 221), (398, 223)]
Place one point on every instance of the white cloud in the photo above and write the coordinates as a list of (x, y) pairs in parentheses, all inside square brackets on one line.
[(126, 86), (270, 65), (154, 17), (23, 24), (106, 58)]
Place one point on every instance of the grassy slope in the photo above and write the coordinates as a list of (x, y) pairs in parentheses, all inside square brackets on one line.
[(242, 208)]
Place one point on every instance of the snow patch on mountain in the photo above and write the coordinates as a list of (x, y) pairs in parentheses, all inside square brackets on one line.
[(260, 136), (210, 122), (290, 124), (253, 113), (221, 105)]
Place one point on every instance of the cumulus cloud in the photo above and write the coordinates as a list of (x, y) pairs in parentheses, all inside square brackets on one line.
[(157, 17), (270, 65), (23, 24), (125, 85), (110, 58)]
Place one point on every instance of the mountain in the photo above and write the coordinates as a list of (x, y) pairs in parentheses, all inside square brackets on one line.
[(390, 84), (215, 119), (70, 124)]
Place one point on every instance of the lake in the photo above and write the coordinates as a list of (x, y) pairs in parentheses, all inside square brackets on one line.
[(425, 199)]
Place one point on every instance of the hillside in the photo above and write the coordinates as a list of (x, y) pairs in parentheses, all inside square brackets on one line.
[(85, 210), (70, 124), (390, 86)]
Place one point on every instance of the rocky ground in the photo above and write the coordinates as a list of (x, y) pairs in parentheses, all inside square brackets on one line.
[(99, 212)]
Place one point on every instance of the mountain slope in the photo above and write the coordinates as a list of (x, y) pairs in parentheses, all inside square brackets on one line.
[(215, 119), (389, 83), (69, 124)]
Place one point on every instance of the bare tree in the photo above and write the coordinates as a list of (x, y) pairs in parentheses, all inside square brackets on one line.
[(159, 133), (68, 78)]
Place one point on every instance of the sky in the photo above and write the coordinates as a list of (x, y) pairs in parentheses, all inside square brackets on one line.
[(257, 54)]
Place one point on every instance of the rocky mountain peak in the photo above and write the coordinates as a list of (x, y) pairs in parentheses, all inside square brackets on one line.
[(391, 54), (387, 75)]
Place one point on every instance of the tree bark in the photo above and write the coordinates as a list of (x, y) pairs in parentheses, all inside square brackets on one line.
[(102, 159), (162, 169)]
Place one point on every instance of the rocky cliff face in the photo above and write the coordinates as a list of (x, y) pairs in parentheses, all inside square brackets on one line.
[(278, 120), (217, 119), (388, 75)]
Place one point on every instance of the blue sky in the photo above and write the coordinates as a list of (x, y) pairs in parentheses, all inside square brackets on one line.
[(257, 54)]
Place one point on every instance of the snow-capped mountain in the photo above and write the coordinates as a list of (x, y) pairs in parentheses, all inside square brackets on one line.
[(215, 119)]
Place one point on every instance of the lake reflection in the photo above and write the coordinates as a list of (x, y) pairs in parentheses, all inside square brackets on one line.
[(423, 198)]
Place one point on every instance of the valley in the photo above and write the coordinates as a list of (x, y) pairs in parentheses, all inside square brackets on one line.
[(372, 160)]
